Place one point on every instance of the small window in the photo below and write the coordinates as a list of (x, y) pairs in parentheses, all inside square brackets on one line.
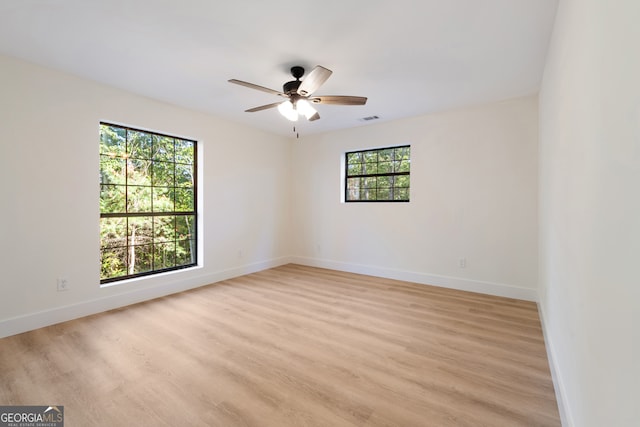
[(147, 203), (380, 175)]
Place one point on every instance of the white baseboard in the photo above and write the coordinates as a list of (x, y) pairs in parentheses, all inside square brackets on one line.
[(52, 316), (31, 321), (497, 289), (558, 385)]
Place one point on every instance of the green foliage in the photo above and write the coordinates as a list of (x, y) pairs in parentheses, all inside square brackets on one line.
[(354, 169), (380, 174), (402, 181), (153, 176)]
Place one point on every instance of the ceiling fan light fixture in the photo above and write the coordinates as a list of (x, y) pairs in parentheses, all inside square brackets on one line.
[(287, 110), (298, 93)]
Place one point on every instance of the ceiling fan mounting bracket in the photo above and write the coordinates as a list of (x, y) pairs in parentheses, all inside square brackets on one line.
[(297, 72)]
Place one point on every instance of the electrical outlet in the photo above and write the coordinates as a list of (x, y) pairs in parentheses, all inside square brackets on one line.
[(462, 263), (63, 284), (240, 253)]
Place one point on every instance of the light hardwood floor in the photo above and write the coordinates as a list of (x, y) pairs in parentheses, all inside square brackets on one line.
[(292, 346)]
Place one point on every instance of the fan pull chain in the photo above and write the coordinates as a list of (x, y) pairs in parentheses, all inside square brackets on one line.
[(297, 134)]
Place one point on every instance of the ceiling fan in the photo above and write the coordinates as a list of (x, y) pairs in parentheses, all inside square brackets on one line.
[(299, 94)]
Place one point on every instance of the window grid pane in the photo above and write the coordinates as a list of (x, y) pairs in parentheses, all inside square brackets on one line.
[(379, 175), (148, 214)]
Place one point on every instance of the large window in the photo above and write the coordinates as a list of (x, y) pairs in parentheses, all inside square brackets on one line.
[(147, 203), (380, 175)]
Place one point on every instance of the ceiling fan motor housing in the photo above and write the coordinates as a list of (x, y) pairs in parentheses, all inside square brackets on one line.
[(291, 87)]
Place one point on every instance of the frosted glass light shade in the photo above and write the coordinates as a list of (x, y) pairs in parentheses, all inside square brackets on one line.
[(305, 108), (287, 110)]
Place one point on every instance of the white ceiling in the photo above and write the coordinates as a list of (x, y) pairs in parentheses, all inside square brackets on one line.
[(409, 57)]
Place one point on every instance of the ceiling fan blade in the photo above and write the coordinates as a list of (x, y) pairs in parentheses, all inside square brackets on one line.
[(315, 117), (339, 100), (257, 87), (314, 80), (262, 107)]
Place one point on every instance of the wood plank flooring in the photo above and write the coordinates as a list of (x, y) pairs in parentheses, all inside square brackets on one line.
[(292, 346)]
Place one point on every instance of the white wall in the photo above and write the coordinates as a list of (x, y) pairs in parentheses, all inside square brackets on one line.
[(473, 196), (49, 188), (590, 210)]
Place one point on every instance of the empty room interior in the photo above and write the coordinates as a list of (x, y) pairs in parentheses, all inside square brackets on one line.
[(338, 213)]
